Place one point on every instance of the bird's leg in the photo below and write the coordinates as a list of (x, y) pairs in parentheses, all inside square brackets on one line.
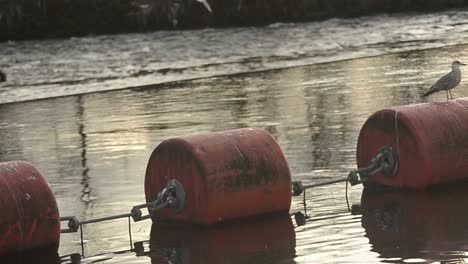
[(446, 92), (451, 97)]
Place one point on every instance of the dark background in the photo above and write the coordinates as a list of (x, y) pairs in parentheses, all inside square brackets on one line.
[(30, 19)]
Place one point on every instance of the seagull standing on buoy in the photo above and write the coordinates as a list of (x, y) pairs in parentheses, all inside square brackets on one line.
[(448, 81)]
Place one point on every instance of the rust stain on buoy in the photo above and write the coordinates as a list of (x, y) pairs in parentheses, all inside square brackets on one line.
[(226, 175)]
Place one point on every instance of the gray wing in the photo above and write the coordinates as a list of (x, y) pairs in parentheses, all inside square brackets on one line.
[(448, 81)]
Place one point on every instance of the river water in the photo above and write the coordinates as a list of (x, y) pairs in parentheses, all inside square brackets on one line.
[(93, 147)]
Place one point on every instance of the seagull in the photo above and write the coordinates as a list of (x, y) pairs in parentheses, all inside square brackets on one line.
[(2, 77), (448, 81), (206, 4)]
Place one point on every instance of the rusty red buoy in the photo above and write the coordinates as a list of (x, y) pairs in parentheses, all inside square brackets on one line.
[(225, 175), (30, 217), (430, 141)]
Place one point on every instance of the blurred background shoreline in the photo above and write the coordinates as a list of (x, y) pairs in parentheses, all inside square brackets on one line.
[(39, 19)]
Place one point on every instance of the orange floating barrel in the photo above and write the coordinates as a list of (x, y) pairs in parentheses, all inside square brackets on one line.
[(430, 140), (30, 217), (225, 175)]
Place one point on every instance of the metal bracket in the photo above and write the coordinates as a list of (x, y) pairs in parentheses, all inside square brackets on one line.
[(177, 195), (386, 161), (172, 196), (73, 224), (297, 188)]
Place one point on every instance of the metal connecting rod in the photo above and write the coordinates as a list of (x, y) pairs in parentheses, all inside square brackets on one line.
[(386, 162), (172, 196)]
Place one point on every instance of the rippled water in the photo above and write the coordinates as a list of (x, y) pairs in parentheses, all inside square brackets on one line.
[(40, 69), (93, 148)]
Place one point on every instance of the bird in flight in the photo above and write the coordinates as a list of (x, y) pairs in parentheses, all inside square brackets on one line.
[(448, 81)]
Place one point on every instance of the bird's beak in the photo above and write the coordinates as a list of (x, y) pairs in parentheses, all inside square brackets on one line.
[(462, 63)]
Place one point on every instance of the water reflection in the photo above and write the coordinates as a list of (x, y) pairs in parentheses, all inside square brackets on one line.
[(38, 256), (412, 225), (263, 240), (86, 194)]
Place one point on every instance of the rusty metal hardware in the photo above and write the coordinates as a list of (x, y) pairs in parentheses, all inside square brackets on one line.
[(386, 162), (172, 196)]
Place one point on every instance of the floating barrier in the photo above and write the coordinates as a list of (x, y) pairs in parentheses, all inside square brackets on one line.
[(269, 238), (429, 143), (30, 217), (225, 175), (203, 179), (208, 179)]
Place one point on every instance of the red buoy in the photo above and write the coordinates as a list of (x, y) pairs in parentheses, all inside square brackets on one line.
[(225, 175), (30, 217), (430, 141)]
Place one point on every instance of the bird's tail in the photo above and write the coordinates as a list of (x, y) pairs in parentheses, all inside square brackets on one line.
[(429, 92)]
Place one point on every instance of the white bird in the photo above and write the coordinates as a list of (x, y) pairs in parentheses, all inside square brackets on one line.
[(448, 81), (206, 4)]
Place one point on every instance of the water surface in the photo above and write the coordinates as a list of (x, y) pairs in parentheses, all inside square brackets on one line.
[(42, 69)]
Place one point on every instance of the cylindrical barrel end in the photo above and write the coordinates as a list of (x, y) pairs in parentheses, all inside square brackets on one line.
[(225, 175), (429, 139)]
